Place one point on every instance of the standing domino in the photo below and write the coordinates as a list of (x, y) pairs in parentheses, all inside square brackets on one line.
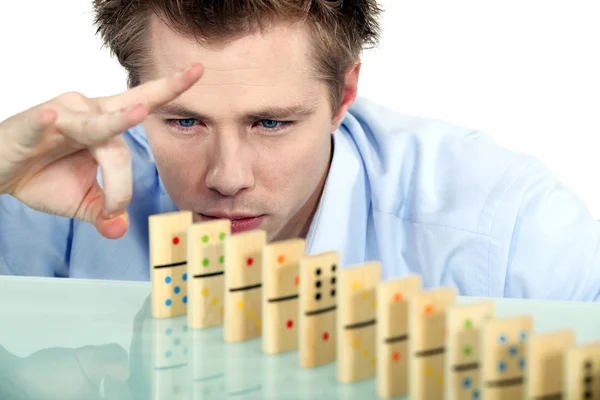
[(356, 323), (243, 297), (427, 330), (206, 287), (503, 352), (318, 313), (582, 368), (281, 281), (545, 364), (463, 359), (392, 334), (168, 262)]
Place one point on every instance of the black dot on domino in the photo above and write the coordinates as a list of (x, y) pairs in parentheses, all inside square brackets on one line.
[(333, 268), (333, 280), (318, 271), (318, 296), (332, 292), (318, 284)]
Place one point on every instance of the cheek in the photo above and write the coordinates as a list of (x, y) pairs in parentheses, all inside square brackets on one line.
[(175, 165), (298, 166)]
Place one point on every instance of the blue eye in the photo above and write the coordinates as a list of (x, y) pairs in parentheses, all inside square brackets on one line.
[(269, 124), (186, 122)]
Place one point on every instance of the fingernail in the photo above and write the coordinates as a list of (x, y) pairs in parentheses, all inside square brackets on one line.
[(126, 109), (112, 214), (181, 72)]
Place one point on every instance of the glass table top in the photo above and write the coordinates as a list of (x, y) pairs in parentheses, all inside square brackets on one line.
[(78, 339)]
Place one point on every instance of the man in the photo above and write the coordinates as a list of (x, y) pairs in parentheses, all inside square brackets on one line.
[(268, 132)]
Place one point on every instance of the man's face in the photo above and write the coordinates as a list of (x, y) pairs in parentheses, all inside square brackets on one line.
[(251, 141)]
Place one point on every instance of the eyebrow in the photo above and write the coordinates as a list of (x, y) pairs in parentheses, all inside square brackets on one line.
[(270, 113)]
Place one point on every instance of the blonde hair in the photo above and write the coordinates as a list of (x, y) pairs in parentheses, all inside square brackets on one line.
[(340, 29)]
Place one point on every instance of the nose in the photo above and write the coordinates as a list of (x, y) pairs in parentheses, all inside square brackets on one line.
[(230, 167)]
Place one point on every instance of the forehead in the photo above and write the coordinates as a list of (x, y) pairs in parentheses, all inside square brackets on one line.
[(273, 61)]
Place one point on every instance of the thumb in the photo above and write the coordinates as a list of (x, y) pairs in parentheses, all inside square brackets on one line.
[(91, 211)]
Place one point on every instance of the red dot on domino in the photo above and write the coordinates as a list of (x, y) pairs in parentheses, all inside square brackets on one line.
[(249, 261), (326, 336), (175, 240), (290, 324)]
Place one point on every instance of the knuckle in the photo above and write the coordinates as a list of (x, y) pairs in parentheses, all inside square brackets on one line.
[(74, 100), (120, 155)]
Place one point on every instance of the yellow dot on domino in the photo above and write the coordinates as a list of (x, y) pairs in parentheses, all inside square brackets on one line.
[(366, 352), (222, 310), (373, 361), (240, 304), (250, 313), (356, 285), (355, 343), (438, 380), (214, 300), (258, 321), (428, 371), (204, 292)]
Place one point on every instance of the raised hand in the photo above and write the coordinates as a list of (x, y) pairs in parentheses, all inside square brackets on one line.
[(49, 154)]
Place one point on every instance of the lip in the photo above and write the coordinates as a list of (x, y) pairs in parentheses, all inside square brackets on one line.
[(239, 222)]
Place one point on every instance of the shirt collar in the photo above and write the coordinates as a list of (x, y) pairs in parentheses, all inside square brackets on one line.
[(340, 222)]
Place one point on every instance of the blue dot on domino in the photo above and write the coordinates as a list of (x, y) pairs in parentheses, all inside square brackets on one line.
[(177, 289), (168, 354), (177, 341), (185, 276), (466, 383), (185, 351), (502, 339), (513, 351), (501, 366), (475, 394), (168, 332), (184, 299), (522, 363), (523, 335), (168, 279), (168, 302)]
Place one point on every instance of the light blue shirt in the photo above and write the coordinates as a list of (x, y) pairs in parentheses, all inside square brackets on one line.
[(421, 196)]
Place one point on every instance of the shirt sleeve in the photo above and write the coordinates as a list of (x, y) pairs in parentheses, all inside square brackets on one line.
[(32, 243), (544, 241)]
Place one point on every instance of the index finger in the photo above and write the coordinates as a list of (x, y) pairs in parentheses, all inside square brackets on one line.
[(154, 93)]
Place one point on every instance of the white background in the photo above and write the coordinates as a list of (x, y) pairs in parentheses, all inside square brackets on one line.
[(525, 71)]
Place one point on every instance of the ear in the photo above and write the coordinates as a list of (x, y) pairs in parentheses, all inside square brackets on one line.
[(348, 95)]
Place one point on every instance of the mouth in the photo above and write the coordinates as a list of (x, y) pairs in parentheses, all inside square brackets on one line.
[(239, 222)]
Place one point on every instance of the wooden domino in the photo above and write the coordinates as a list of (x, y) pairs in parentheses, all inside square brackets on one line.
[(392, 334), (280, 291), (463, 354), (582, 372), (503, 357), (205, 265), (243, 294), (168, 263), (545, 364), (427, 330), (356, 322), (318, 309)]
